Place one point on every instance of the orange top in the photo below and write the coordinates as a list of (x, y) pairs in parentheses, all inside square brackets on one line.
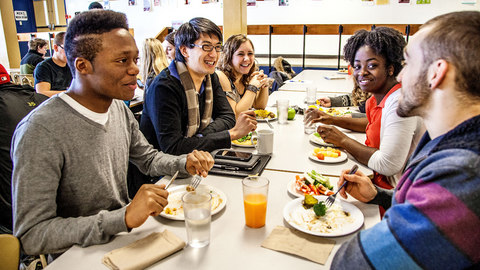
[(374, 116)]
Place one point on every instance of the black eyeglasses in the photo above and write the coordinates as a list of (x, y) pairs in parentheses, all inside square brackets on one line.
[(61, 47), (209, 48)]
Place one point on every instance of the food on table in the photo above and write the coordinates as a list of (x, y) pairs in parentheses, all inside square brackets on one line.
[(291, 113), (320, 209), (245, 140), (333, 111), (345, 71), (334, 220), (322, 152), (255, 210), (175, 208), (264, 114), (309, 201), (313, 183)]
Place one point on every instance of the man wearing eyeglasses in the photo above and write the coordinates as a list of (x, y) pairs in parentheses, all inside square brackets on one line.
[(185, 107), (53, 75)]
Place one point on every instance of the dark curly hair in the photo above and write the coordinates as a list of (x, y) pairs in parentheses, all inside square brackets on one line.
[(82, 37), (225, 62), (190, 32), (384, 41)]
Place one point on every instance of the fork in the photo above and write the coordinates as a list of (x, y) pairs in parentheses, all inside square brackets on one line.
[(195, 182), (268, 123), (331, 199)]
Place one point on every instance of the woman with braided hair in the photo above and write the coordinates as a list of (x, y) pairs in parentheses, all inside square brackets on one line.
[(376, 57)]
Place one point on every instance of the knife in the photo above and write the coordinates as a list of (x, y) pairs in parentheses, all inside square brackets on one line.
[(171, 180)]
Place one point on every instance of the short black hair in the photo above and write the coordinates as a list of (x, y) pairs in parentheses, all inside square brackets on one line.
[(82, 37), (191, 31), (384, 41), (95, 5), (59, 38)]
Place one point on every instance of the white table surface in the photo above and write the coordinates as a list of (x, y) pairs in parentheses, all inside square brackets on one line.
[(316, 77), (291, 145), (233, 245)]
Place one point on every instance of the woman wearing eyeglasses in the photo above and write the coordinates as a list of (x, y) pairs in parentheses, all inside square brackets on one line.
[(244, 85), (185, 107)]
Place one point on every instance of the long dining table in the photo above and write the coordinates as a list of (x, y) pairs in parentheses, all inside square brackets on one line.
[(339, 83), (233, 245)]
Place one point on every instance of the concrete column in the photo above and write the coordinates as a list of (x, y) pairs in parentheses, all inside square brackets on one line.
[(234, 17), (10, 34)]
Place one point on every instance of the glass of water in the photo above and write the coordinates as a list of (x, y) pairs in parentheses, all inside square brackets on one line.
[(308, 127), (282, 111), (197, 208)]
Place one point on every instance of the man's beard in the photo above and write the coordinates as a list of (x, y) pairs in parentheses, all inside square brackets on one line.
[(418, 95)]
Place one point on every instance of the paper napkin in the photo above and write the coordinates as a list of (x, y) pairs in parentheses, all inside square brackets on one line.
[(291, 241), (144, 252)]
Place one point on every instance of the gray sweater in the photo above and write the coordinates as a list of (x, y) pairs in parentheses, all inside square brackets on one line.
[(69, 179)]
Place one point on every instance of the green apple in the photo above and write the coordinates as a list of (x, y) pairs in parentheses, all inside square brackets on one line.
[(291, 113)]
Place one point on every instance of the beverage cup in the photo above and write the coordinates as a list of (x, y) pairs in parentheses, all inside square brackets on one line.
[(282, 111), (264, 139), (309, 127), (197, 208), (255, 194), (311, 95)]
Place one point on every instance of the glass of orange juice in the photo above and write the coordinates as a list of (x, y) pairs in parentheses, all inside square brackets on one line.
[(255, 194)]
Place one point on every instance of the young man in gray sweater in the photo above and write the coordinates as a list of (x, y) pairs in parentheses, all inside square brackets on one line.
[(71, 154)]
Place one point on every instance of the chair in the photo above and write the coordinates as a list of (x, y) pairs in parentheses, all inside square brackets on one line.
[(10, 250), (23, 79)]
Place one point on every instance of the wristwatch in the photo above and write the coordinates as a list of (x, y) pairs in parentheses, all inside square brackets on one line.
[(252, 88)]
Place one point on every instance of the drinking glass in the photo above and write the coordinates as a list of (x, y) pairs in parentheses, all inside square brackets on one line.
[(282, 111), (197, 208), (311, 95), (308, 127), (255, 194)]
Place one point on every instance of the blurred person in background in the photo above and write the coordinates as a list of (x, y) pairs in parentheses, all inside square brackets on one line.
[(53, 75), (153, 60), (16, 101), (95, 5), (169, 46), (36, 52)]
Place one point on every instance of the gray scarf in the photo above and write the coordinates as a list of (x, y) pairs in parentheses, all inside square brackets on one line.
[(194, 123)]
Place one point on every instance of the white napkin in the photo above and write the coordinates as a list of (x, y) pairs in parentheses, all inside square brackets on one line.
[(144, 252)]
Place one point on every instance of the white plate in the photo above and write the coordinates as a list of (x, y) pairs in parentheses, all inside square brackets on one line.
[(355, 213), (291, 189), (341, 158), (259, 119), (344, 73), (243, 145), (175, 200), (320, 141)]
